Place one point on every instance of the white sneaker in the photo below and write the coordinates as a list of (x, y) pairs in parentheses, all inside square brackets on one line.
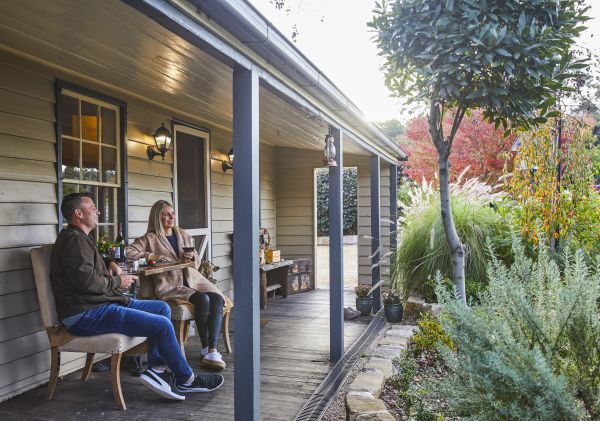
[(204, 351), (214, 360)]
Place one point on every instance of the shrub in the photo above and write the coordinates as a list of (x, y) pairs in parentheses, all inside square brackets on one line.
[(561, 205), (531, 349), (423, 249), (350, 199), (428, 338)]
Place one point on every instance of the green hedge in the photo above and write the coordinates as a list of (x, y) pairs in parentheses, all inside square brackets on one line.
[(349, 197)]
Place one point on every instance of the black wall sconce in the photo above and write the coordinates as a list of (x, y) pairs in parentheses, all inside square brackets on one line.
[(162, 138), (226, 164)]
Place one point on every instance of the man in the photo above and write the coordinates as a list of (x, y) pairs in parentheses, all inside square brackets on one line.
[(90, 301)]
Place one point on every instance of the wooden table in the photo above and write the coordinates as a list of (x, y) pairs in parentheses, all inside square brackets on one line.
[(146, 286), (153, 270), (273, 276)]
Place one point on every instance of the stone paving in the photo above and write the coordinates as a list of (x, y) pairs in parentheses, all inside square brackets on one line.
[(362, 398)]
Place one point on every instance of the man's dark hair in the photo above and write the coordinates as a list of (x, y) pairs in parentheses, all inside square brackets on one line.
[(71, 202)]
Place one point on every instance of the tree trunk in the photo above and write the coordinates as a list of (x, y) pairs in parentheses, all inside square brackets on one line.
[(456, 246)]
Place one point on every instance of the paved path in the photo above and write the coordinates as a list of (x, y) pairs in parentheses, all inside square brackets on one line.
[(350, 266)]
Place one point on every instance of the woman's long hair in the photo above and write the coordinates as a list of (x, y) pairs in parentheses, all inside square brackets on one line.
[(154, 224)]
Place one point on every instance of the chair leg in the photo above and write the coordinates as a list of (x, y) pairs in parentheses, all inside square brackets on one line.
[(225, 330), (54, 368), (181, 329), (89, 362), (115, 367)]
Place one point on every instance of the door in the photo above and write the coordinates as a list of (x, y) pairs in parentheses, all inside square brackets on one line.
[(192, 174)]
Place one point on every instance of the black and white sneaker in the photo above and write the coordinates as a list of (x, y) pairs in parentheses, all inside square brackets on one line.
[(201, 383), (159, 383)]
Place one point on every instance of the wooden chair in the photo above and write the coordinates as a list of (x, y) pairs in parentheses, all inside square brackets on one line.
[(182, 313), (61, 340)]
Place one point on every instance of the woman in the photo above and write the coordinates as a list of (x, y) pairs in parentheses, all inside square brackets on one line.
[(163, 241)]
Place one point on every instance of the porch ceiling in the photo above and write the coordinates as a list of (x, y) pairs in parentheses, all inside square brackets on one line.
[(118, 47)]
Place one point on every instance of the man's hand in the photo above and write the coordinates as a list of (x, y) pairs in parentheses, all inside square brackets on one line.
[(115, 269), (127, 281)]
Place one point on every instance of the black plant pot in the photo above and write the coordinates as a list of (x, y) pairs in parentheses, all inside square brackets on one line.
[(364, 305), (393, 312)]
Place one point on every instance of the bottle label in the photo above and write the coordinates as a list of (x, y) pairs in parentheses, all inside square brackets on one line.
[(117, 253)]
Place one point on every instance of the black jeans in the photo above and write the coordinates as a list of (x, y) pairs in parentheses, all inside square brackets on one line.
[(209, 316)]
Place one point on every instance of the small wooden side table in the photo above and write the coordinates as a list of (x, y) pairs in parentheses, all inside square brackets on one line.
[(273, 276)]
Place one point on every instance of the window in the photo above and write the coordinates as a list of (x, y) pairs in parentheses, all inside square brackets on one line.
[(90, 155)]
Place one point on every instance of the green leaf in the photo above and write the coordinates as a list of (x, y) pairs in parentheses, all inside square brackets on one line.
[(503, 52), (522, 22)]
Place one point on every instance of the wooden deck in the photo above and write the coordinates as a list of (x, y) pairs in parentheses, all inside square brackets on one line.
[(294, 360)]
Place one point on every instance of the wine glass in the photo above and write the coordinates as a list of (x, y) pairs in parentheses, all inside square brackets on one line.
[(188, 246)]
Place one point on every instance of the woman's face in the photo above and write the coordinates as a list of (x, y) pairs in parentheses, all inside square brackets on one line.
[(167, 218)]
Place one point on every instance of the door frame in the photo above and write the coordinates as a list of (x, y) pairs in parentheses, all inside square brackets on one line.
[(206, 244)]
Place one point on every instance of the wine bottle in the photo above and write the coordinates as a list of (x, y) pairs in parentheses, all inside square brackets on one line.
[(120, 245)]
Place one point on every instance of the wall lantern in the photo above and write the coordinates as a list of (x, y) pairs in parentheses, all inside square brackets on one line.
[(329, 152), (162, 137), (228, 165)]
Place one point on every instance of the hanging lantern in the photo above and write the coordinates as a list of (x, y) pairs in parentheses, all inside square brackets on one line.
[(329, 152)]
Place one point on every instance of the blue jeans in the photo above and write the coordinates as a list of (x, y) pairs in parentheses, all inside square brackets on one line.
[(150, 318)]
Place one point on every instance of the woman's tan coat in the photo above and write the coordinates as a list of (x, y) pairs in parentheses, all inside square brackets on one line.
[(169, 285)]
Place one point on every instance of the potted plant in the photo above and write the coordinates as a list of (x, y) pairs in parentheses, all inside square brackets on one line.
[(364, 299), (105, 247), (392, 305)]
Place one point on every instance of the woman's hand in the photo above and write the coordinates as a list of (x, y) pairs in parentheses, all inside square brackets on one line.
[(188, 256)]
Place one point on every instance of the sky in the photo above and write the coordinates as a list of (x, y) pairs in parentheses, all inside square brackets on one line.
[(334, 35)]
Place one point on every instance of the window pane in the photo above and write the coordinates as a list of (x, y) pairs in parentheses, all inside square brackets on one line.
[(70, 159), (109, 129), (89, 121), (108, 231), (109, 165), (70, 115), (90, 162), (191, 179), (106, 205)]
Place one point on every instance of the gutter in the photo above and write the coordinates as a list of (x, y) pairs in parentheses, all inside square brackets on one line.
[(249, 26)]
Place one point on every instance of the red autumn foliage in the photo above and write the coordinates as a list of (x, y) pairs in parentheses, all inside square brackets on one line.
[(477, 145)]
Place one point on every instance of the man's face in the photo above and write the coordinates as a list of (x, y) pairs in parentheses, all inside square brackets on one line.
[(87, 214)]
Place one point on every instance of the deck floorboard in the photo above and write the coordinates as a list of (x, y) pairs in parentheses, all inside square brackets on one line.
[(294, 361)]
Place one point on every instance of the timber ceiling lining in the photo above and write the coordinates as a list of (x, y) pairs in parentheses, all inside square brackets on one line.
[(114, 44)]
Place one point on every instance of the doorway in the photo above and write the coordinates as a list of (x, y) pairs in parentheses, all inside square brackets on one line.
[(192, 181), (350, 204)]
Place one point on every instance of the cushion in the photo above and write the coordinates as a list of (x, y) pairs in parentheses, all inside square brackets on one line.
[(108, 342), (181, 311)]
